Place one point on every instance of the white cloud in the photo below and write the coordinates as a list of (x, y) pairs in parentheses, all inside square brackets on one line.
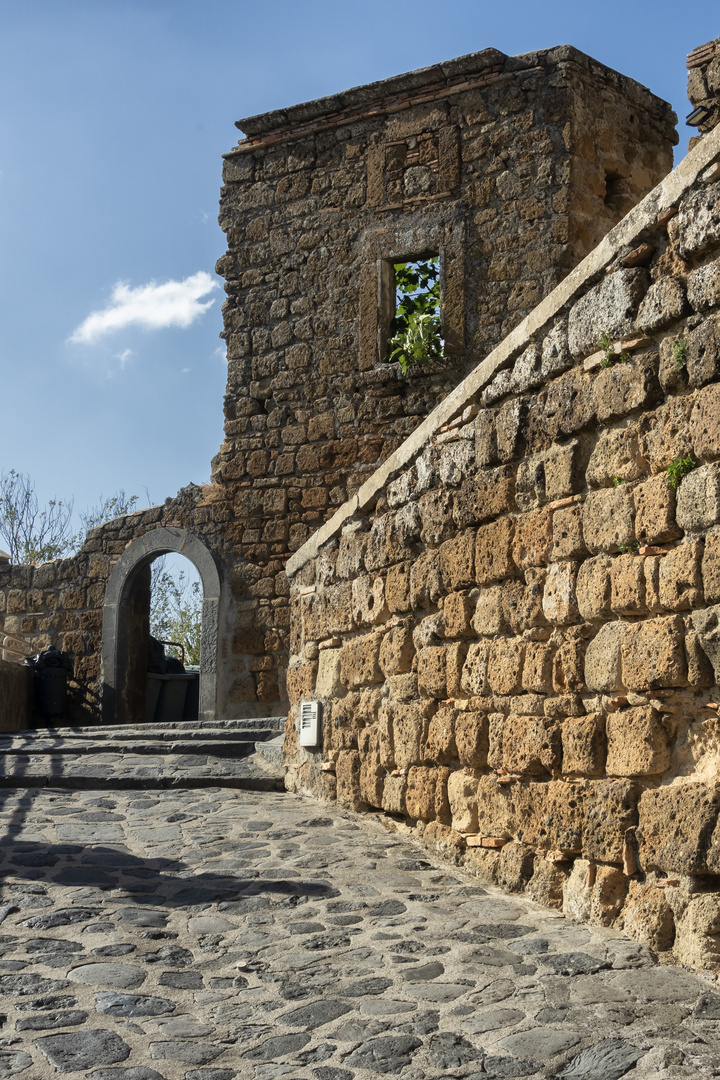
[(185, 370), (151, 306), (124, 356)]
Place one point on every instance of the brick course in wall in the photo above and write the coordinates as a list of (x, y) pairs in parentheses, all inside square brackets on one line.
[(527, 665)]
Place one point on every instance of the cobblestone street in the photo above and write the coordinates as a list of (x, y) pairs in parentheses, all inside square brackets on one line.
[(215, 934)]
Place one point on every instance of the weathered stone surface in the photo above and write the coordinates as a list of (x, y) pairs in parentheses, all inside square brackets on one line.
[(616, 456), (698, 499), (664, 303), (608, 519), (474, 678), (638, 743), (681, 586), (457, 560), (83, 1049), (568, 540), (703, 352), (360, 661), (610, 810), (493, 552), (329, 680), (432, 671), (626, 387), (655, 512), (396, 651), (593, 587), (703, 287), (602, 659), (583, 745), (531, 744), (504, 666), (648, 917), (627, 586), (698, 225), (653, 655), (610, 308), (471, 739), (676, 823), (532, 542), (368, 601), (707, 625), (559, 601), (705, 423), (697, 932), (124, 976), (711, 568)]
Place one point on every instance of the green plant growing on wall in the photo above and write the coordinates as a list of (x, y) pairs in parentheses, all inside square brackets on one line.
[(629, 549), (609, 357), (679, 353), (678, 468), (416, 332), (617, 482)]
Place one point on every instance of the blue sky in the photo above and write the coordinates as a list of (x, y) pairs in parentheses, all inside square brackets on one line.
[(114, 118)]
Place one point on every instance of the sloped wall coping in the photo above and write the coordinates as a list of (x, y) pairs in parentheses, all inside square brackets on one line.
[(625, 233)]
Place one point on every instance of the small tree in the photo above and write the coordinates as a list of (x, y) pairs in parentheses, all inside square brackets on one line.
[(176, 609), (417, 334), (36, 533)]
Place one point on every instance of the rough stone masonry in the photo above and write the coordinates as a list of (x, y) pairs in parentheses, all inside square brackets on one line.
[(514, 625), (510, 169)]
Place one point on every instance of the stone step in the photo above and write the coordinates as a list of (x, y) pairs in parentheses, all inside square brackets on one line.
[(238, 748), (253, 724), (272, 751), (121, 771), (75, 737)]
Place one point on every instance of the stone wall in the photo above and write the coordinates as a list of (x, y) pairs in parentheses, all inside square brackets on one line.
[(513, 626), (15, 696), (511, 168)]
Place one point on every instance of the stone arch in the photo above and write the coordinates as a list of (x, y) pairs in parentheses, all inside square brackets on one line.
[(126, 575)]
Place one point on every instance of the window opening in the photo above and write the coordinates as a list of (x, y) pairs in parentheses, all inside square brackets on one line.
[(413, 316)]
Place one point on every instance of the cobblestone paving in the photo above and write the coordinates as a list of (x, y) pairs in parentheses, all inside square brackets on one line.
[(213, 934)]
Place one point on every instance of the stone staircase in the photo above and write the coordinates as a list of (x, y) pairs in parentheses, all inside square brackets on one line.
[(243, 754)]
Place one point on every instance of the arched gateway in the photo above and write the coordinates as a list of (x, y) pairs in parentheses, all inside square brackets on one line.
[(125, 624)]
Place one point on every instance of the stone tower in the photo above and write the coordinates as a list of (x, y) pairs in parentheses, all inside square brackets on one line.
[(510, 169)]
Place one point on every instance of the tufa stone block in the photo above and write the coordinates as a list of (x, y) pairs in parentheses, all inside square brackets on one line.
[(426, 585), (698, 222), (711, 568), (675, 825), (609, 307), (532, 543), (610, 810), (493, 552), (664, 303), (347, 772), (583, 745), (432, 674), (655, 511), (705, 423), (471, 739), (593, 587), (522, 604), (531, 744), (360, 661), (504, 669), (397, 588), (462, 796), (568, 540), (698, 499), (608, 519), (538, 667), (703, 352), (440, 746), (458, 611), (408, 724), (648, 917), (616, 456), (703, 286), (457, 559), (627, 585), (474, 674), (420, 793), (637, 743), (368, 601), (494, 494), (489, 619), (559, 601), (329, 684), (393, 799), (626, 387), (681, 586), (652, 654), (602, 659), (569, 666), (396, 651)]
